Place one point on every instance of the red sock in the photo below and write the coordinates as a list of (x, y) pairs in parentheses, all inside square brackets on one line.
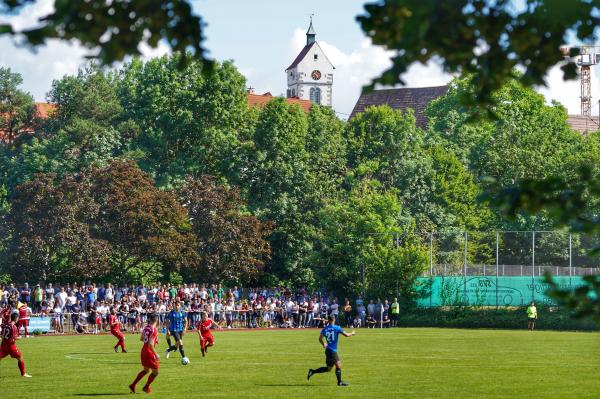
[(121, 343), (150, 379), (21, 367), (25, 327), (140, 375)]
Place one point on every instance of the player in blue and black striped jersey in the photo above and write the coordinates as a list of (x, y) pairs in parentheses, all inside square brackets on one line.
[(329, 339), (176, 325)]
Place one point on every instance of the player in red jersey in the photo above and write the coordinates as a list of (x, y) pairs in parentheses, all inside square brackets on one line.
[(150, 358), (10, 333), (115, 329), (5, 314), (24, 313), (206, 338)]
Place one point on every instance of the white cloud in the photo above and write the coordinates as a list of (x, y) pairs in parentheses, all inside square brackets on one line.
[(357, 68), (568, 92), (29, 16), (40, 68)]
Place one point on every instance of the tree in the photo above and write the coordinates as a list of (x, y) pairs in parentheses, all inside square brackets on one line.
[(148, 230), (49, 234), (188, 123), (359, 235), (486, 38), (278, 184), (85, 129), (527, 139), (17, 108), (116, 28), (326, 148), (569, 202), (232, 246), (384, 144)]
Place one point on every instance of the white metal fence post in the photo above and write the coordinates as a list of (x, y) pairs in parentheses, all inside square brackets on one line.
[(570, 258), (431, 269), (533, 266), (465, 268), (497, 265)]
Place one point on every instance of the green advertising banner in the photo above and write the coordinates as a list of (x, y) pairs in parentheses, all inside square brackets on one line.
[(488, 290)]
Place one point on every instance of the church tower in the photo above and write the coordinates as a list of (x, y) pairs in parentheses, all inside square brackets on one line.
[(310, 76)]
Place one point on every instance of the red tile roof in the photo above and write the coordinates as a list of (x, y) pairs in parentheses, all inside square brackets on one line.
[(263, 99), (43, 110)]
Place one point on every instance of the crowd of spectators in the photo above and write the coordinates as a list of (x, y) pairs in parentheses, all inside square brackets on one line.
[(84, 308)]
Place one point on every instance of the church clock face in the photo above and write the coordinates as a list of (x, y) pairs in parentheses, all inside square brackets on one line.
[(316, 74)]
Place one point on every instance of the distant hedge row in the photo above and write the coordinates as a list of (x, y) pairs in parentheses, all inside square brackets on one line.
[(504, 318)]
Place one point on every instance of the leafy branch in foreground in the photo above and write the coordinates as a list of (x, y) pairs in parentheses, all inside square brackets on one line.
[(116, 28), (486, 38)]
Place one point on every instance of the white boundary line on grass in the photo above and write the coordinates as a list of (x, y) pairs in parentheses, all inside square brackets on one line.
[(99, 360)]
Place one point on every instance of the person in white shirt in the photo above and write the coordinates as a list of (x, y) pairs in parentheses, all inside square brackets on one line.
[(289, 305), (315, 314), (57, 319), (109, 294), (334, 310), (49, 291), (61, 299)]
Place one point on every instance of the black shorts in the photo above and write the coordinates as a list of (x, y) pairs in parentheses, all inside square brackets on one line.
[(176, 334), (331, 358), (531, 319)]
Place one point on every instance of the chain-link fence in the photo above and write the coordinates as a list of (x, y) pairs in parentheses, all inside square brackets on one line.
[(510, 253), (503, 268)]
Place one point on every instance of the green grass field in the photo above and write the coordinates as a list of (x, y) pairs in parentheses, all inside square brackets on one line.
[(392, 363)]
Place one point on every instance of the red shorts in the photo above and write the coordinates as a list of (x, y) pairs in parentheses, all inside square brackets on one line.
[(11, 351), (149, 361), (207, 339), (22, 323), (117, 334)]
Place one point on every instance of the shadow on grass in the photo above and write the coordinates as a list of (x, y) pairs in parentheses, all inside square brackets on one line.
[(100, 394)]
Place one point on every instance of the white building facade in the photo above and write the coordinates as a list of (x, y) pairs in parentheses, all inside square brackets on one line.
[(310, 76)]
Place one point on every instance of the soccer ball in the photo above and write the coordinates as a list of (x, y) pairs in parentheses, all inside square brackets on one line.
[(185, 361)]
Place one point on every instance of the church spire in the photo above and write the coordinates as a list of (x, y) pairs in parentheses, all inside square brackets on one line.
[(310, 34)]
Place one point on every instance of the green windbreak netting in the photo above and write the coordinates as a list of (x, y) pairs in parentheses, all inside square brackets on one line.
[(488, 290)]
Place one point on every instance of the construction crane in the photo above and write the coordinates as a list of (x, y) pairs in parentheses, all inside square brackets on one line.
[(588, 56)]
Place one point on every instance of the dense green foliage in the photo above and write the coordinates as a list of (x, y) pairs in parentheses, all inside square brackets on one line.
[(406, 362), (161, 172)]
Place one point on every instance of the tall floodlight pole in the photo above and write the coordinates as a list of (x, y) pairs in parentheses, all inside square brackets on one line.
[(586, 90), (587, 56)]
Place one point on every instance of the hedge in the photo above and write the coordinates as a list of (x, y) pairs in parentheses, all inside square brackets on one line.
[(502, 318)]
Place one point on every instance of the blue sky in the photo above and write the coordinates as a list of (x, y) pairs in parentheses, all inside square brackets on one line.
[(262, 37)]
